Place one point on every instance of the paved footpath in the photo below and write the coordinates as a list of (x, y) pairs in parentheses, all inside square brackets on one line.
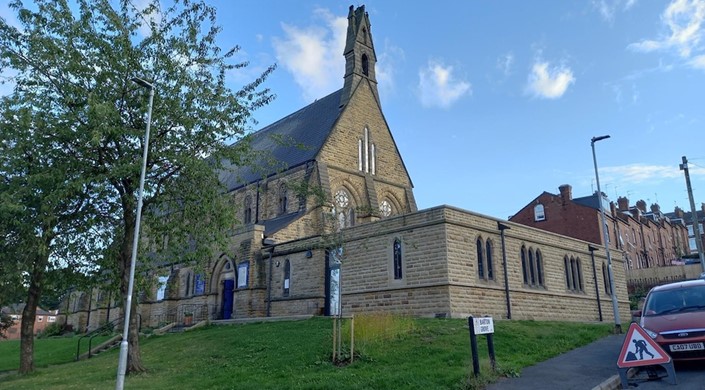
[(587, 367)]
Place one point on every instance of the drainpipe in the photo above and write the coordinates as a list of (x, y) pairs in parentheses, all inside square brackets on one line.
[(502, 228), (594, 276), (271, 243)]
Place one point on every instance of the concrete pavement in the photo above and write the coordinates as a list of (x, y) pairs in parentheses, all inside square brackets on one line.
[(593, 366)]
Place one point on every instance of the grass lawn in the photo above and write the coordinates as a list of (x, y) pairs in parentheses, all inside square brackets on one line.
[(47, 352), (426, 354)]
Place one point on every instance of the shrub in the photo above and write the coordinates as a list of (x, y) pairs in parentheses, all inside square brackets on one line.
[(53, 329)]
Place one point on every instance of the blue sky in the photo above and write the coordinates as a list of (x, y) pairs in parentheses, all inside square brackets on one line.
[(492, 103)]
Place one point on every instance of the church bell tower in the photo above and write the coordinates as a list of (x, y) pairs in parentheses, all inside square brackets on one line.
[(360, 57)]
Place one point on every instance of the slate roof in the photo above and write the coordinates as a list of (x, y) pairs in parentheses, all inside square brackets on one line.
[(290, 141), (589, 201)]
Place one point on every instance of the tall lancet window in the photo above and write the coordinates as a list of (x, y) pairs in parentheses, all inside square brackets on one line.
[(365, 65), (366, 154)]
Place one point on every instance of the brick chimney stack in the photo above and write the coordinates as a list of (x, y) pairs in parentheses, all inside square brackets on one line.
[(641, 205), (679, 212), (655, 208), (567, 193), (623, 203)]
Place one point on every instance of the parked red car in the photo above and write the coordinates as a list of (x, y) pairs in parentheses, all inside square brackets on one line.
[(674, 316)]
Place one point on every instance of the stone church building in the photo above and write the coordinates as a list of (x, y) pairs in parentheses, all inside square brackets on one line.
[(333, 225)]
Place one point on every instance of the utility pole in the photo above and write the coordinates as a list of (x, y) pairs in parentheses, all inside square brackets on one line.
[(693, 213)]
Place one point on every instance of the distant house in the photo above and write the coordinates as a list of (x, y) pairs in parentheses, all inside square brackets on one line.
[(687, 219), (41, 321), (644, 238)]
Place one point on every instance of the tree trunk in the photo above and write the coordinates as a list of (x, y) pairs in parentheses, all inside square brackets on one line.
[(29, 313), (134, 358)]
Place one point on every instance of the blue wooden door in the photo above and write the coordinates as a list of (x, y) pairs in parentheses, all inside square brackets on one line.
[(227, 309)]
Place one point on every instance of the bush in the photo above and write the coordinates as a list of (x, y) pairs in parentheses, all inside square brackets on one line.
[(53, 329)]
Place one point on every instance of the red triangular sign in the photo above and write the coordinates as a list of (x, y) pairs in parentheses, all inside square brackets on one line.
[(639, 349)]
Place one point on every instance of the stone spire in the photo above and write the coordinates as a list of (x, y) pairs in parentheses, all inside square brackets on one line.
[(360, 57)]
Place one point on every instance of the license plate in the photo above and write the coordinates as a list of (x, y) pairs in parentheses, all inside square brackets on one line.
[(686, 347)]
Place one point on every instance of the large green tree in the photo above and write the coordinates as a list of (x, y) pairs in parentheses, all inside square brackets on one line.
[(75, 64)]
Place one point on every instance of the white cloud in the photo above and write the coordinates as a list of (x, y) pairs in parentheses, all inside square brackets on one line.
[(549, 82), (387, 62), (314, 55), (683, 21), (608, 8), (505, 62), (641, 173), (698, 62), (148, 15), (438, 86)]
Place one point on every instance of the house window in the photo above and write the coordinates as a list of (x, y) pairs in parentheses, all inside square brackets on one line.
[(574, 273), (287, 277), (248, 209), (398, 266), (480, 262), (51, 319), (242, 274), (539, 214), (161, 287), (283, 198), (40, 318), (606, 279)]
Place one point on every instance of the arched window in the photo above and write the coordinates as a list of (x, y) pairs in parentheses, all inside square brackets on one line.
[(199, 284), (366, 153), (187, 289), (247, 206), (532, 267), (385, 209), (283, 198), (574, 274), (344, 211), (488, 255), (398, 266), (539, 268), (568, 273), (161, 287), (581, 286), (539, 214), (365, 65), (524, 270), (480, 262), (287, 277)]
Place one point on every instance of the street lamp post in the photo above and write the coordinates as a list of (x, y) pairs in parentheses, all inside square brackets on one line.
[(122, 363), (606, 238)]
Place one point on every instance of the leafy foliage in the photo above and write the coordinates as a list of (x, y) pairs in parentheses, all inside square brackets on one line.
[(73, 134)]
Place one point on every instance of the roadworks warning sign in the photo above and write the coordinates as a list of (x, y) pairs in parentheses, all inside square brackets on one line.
[(640, 350)]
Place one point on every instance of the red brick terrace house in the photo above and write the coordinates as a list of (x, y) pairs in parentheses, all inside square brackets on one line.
[(644, 239), (41, 321)]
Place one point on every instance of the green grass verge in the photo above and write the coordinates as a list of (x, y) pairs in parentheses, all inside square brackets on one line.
[(47, 351), (432, 353)]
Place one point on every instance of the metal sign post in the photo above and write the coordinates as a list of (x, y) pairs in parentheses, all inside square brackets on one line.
[(481, 325)]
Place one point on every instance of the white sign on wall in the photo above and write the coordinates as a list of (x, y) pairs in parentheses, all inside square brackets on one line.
[(483, 325)]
